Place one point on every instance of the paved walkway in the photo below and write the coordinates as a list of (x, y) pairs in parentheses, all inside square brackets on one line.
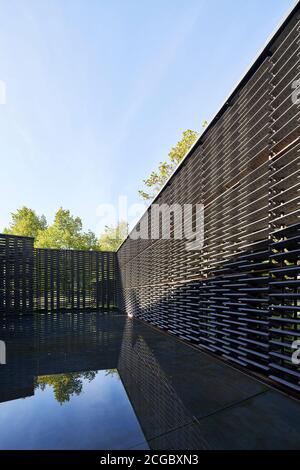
[(200, 402)]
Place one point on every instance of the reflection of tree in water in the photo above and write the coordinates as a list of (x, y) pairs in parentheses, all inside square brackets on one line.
[(112, 373), (64, 385)]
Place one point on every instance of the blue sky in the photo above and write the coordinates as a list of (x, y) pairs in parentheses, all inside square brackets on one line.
[(98, 91)]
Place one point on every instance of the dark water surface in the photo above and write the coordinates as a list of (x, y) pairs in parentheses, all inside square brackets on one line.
[(60, 387), (87, 410), (104, 381)]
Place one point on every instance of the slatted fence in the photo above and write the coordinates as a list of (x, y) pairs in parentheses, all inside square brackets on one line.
[(54, 280), (16, 274)]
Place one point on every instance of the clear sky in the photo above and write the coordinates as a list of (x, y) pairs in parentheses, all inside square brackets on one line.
[(98, 91)]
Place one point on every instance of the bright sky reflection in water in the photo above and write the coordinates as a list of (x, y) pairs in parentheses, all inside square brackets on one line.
[(82, 410)]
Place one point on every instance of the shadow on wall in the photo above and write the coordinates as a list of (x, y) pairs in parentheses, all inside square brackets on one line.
[(246, 311)]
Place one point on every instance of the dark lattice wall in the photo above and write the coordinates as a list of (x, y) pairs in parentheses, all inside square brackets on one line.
[(72, 279), (239, 296), (49, 280), (16, 274)]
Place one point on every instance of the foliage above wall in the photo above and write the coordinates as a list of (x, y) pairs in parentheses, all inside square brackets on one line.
[(157, 179), (66, 231), (112, 237), (26, 222)]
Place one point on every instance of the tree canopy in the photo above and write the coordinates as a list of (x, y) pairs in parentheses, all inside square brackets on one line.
[(26, 222), (157, 178), (112, 237), (66, 231)]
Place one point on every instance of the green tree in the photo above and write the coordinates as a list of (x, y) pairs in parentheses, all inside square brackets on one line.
[(66, 233), (158, 178), (112, 237), (26, 222)]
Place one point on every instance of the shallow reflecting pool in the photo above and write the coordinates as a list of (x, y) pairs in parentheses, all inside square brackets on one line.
[(81, 410), (104, 381)]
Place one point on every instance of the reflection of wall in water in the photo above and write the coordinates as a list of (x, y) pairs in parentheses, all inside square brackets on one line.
[(154, 399), (54, 344), (17, 375)]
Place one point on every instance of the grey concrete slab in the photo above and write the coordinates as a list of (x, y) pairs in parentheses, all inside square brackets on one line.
[(232, 410), (267, 421), (204, 383), (185, 438)]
